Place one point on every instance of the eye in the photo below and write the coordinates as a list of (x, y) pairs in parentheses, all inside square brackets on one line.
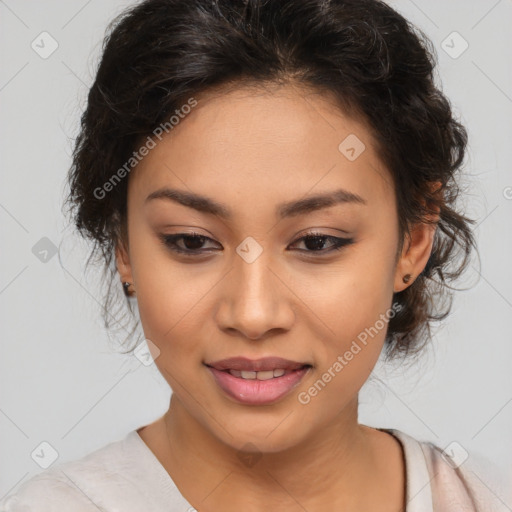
[(192, 242), (315, 242)]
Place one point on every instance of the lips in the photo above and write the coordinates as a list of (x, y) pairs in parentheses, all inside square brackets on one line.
[(257, 365), (255, 387), (257, 381)]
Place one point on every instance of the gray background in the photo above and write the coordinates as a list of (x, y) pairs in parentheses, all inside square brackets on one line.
[(62, 381)]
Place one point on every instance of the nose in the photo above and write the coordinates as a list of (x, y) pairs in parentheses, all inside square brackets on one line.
[(255, 300)]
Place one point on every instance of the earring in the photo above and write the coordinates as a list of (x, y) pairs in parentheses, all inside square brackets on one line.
[(406, 278), (126, 285)]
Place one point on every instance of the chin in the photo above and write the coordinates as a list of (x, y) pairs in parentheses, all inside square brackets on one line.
[(260, 436)]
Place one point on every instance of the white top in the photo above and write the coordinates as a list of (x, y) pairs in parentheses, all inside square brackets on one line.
[(125, 476)]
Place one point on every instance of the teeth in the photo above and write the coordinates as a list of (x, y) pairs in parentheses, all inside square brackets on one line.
[(269, 374), (266, 375)]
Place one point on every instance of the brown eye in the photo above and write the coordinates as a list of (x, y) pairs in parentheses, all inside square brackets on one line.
[(315, 242), (192, 243)]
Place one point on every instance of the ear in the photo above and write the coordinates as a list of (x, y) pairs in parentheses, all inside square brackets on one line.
[(123, 262), (417, 250)]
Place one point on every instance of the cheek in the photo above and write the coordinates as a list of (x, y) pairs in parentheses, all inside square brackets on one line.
[(360, 317), (352, 310), (346, 359), (347, 299), (170, 313), (170, 297)]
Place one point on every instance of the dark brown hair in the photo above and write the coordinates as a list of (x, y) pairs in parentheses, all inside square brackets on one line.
[(160, 53)]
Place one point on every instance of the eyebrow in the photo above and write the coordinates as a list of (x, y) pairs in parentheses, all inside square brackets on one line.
[(289, 209)]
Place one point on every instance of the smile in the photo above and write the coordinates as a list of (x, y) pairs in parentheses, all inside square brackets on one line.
[(258, 387)]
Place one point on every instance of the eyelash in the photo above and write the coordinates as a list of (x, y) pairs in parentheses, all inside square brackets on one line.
[(170, 242)]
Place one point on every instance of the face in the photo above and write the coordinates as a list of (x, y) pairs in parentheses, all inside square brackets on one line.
[(257, 270)]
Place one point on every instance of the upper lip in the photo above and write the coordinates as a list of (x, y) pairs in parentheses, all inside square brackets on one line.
[(256, 365)]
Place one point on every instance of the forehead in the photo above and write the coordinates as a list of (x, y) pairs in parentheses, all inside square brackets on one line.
[(266, 141)]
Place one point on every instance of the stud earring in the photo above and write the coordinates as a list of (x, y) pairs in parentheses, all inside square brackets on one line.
[(406, 278), (126, 285)]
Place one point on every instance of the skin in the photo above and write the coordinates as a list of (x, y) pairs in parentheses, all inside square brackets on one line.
[(253, 149)]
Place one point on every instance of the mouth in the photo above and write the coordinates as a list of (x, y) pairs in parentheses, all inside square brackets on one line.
[(261, 375), (257, 382), (257, 365)]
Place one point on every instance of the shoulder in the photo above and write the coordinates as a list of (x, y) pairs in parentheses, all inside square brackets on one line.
[(458, 479), (461, 476), (46, 492), (80, 484)]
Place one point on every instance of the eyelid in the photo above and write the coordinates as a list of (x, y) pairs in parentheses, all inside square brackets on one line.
[(322, 232), (338, 243), (169, 240)]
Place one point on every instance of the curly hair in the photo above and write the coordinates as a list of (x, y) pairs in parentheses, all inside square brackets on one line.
[(377, 65)]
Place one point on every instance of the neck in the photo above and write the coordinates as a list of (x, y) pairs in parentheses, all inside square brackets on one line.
[(336, 462)]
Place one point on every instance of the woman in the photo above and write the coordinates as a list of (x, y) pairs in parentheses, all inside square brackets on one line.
[(276, 184)]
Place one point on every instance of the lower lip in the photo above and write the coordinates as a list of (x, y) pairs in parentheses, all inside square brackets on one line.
[(257, 392)]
